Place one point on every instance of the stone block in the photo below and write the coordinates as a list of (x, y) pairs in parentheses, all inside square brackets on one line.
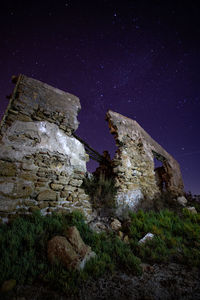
[(7, 168), (47, 195), (8, 205), (56, 186)]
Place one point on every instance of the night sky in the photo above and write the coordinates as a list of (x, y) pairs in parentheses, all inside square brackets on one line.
[(138, 58)]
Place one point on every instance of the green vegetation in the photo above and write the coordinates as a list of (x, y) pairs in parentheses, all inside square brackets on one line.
[(23, 252), (176, 237), (101, 189), (23, 246)]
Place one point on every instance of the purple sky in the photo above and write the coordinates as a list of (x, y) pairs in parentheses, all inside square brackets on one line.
[(138, 58)]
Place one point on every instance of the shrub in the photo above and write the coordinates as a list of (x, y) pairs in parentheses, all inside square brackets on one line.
[(101, 189), (176, 237), (23, 252)]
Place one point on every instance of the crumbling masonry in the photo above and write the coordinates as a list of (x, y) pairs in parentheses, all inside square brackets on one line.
[(134, 163), (42, 165)]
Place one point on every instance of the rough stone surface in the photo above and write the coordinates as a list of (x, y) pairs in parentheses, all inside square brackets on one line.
[(182, 200), (40, 160), (47, 196), (148, 237), (71, 251), (59, 249), (76, 241), (116, 225), (133, 164), (192, 209)]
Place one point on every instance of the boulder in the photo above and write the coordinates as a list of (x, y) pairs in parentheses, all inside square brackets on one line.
[(182, 200), (60, 250), (76, 241), (69, 250)]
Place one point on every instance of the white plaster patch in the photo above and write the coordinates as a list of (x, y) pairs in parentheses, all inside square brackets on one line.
[(51, 139), (128, 200)]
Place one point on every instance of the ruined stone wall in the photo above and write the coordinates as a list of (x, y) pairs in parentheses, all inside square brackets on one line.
[(41, 164), (134, 162)]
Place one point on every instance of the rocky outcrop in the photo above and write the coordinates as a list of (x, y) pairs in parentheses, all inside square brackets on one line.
[(70, 250), (41, 164), (133, 164)]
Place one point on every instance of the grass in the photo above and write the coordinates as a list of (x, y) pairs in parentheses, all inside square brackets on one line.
[(23, 247), (176, 238), (23, 252), (101, 189)]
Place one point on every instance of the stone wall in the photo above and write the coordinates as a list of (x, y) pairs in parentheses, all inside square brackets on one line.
[(133, 164), (41, 164)]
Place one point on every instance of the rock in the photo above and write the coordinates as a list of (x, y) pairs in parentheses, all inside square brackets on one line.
[(8, 205), (120, 235), (98, 226), (56, 186), (182, 200), (47, 195), (43, 205), (8, 285), (60, 250), (149, 236), (126, 239), (115, 225), (147, 268), (75, 182), (7, 168), (192, 209), (71, 251), (76, 241)]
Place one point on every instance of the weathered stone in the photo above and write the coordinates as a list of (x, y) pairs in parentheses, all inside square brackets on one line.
[(34, 208), (59, 249), (133, 164), (8, 205), (115, 225), (28, 176), (56, 186), (47, 195), (69, 188), (30, 202), (64, 194), (192, 209), (53, 203), (70, 198), (28, 166), (76, 241), (182, 200), (7, 168), (148, 237), (126, 239), (75, 182), (22, 189), (43, 204), (35, 153)]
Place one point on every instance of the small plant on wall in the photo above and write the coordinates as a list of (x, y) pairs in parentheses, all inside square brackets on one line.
[(101, 189)]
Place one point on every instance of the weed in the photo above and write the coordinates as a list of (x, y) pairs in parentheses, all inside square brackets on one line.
[(101, 189)]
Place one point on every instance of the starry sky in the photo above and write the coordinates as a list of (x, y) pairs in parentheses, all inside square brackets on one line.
[(138, 58)]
